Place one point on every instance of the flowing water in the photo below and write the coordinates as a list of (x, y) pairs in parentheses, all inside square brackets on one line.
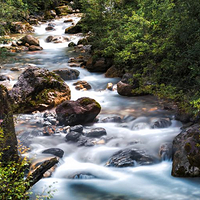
[(81, 173)]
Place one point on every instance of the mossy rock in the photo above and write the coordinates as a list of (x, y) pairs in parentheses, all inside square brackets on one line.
[(38, 89), (63, 10), (82, 111)]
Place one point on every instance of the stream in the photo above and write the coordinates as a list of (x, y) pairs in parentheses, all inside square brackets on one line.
[(81, 174)]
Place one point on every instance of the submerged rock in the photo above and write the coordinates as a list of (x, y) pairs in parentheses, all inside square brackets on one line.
[(38, 89), (186, 153), (128, 158), (82, 111)]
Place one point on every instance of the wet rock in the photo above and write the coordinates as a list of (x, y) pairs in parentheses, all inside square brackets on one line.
[(30, 40), (21, 27), (73, 136), (74, 64), (165, 151), (98, 65), (50, 28), (116, 119), (35, 48), (83, 110), (128, 158), (161, 123), (113, 72), (15, 69), (52, 120), (54, 151), (96, 132), (57, 39), (71, 44), (125, 87), (82, 85), (68, 20), (186, 153), (4, 78), (33, 21), (67, 74), (109, 86), (49, 130), (74, 29), (49, 38), (38, 89), (83, 41), (77, 128), (8, 142)]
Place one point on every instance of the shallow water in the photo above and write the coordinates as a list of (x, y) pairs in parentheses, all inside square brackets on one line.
[(153, 182)]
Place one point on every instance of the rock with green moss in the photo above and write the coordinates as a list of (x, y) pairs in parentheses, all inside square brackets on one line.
[(8, 140), (38, 89), (63, 10), (81, 111), (74, 29), (186, 153), (129, 86)]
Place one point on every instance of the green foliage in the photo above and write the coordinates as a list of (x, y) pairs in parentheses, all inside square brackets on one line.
[(160, 40)]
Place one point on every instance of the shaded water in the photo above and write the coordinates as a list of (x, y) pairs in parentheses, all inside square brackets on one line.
[(152, 182)]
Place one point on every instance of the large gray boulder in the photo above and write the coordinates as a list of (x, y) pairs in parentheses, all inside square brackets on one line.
[(186, 153), (83, 110), (38, 89), (128, 158)]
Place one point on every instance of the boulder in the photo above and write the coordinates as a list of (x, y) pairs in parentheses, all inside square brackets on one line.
[(38, 89), (186, 153), (72, 136), (83, 41), (68, 20), (71, 44), (63, 10), (49, 14), (98, 65), (8, 140), (161, 123), (74, 29), (50, 28), (96, 132), (113, 72), (54, 151), (57, 39), (83, 110), (29, 39), (128, 158), (77, 128), (111, 119), (21, 27), (4, 78), (127, 85), (35, 48), (82, 85), (67, 74)]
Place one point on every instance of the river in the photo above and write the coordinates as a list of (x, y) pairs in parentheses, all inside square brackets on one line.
[(152, 182)]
